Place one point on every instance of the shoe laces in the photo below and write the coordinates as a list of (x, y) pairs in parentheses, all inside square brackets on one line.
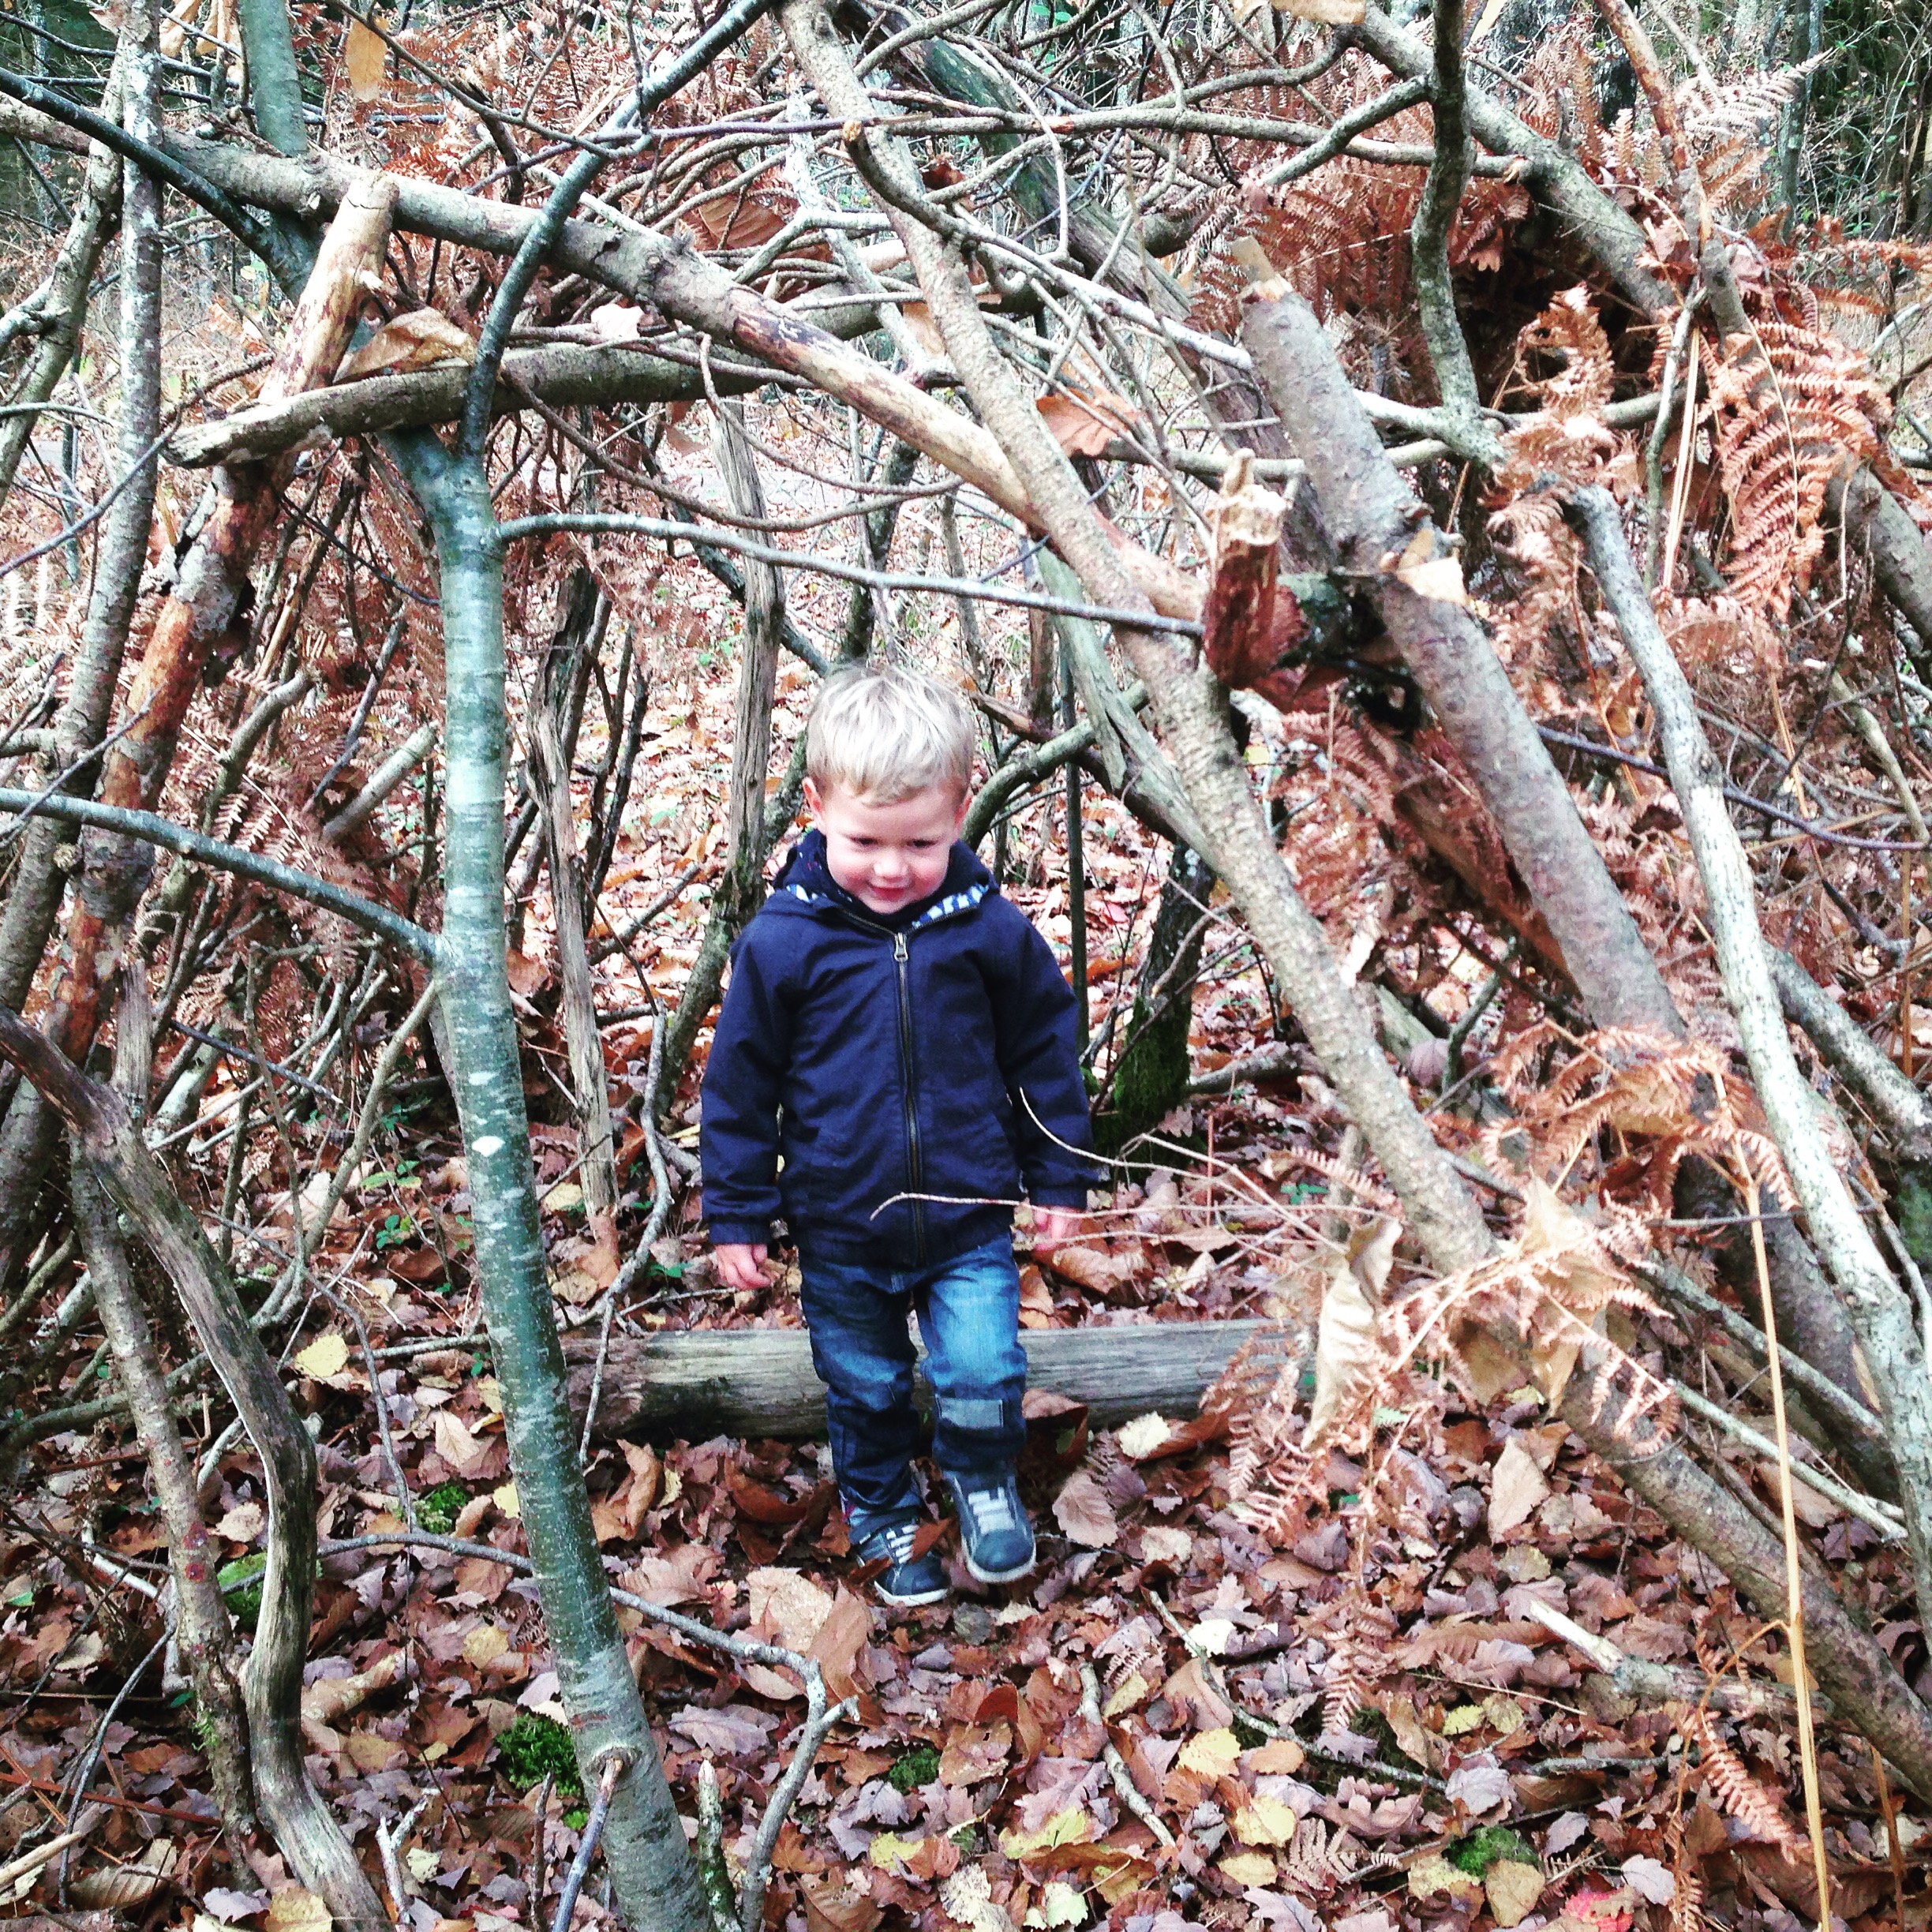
[(992, 1509), (898, 1539)]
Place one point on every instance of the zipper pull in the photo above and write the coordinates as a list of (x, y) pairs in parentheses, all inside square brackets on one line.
[(899, 946)]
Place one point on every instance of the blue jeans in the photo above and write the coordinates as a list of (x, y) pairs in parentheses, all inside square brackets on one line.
[(968, 1311)]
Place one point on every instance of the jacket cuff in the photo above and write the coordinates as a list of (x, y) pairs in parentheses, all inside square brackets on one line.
[(1059, 1194), (743, 1233)]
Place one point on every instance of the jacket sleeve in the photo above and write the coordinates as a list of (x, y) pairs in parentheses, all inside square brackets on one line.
[(1033, 1018), (738, 1133)]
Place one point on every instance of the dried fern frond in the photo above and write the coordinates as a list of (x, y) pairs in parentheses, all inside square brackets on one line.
[(1316, 1864), (1779, 443), (1711, 111), (1733, 1790)]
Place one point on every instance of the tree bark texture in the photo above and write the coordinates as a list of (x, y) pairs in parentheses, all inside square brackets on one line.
[(208, 601), (760, 1381), (304, 1827), (202, 1625), (63, 308), (1879, 1309), (655, 1876)]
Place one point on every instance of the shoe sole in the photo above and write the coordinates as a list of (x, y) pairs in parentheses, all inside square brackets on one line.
[(916, 1600), (1002, 1576)]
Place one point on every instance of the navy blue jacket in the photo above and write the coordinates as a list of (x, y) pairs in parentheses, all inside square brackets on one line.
[(932, 1052)]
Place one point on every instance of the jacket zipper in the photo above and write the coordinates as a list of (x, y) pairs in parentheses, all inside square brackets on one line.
[(915, 1167)]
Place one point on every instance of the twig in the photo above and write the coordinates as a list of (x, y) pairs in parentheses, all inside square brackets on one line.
[(1460, 1032), (713, 1874), (641, 1254), (188, 844), (1129, 1792), (1814, 1382), (389, 1842), (819, 1720), (1886, 1522), (616, 1761)]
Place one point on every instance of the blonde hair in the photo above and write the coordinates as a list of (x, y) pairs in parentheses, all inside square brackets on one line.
[(879, 730)]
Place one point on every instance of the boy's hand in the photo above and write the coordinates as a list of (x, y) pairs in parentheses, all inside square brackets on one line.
[(742, 1264), (1053, 1227)]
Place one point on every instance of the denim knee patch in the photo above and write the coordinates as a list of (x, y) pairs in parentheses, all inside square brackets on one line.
[(979, 1414)]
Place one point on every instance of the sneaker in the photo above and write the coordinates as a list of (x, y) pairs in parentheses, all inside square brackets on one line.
[(907, 1581), (994, 1529)]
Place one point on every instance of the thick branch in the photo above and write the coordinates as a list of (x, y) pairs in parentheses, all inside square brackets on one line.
[(303, 1826), (1879, 1310), (1371, 515)]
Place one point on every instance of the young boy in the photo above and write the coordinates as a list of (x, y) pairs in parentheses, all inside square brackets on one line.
[(901, 1035)]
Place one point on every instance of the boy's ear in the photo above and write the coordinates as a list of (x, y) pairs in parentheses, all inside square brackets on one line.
[(814, 803)]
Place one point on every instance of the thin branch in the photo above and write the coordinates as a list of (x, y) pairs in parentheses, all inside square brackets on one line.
[(154, 830)]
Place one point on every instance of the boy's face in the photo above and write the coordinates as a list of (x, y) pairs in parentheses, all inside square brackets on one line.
[(888, 855)]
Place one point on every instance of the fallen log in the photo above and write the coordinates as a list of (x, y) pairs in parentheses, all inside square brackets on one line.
[(759, 1381)]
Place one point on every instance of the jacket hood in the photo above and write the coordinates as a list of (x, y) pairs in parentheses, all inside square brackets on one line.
[(805, 884)]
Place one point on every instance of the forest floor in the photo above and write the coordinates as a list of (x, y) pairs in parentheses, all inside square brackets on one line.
[(1353, 1727)]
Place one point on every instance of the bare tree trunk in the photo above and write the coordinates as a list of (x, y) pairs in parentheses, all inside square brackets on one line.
[(201, 1622), (63, 308), (305, 1829), (550, 769), (655, 1875), (740, 888)]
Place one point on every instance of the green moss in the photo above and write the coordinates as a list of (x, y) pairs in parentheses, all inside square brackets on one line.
[(919, 1766), (1913, 1204), (534, 1746), (1489, 1845), (437, 1511), (1250, 1735), (242, 1584), (1151, 1076)]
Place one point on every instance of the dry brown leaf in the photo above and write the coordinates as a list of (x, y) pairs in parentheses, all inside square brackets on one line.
[(1162, 1543), (1345, 1341), (1084, 424), (1082, 1510), (841, 1640), (1099, 1270), (1325, 12), (420, 340), (1423, 569), (293, 1909), (1516, 1488), (365, 59), (457, 1447), (1813, 1511), (1513, 1889), (122, 1887), (834, 1904), (791, 1607)]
